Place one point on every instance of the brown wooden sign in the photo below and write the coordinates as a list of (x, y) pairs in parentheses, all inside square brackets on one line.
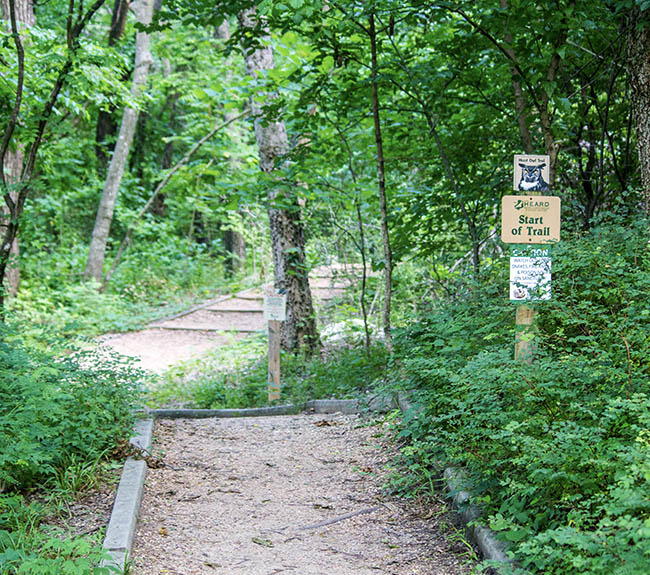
[(530, 219)]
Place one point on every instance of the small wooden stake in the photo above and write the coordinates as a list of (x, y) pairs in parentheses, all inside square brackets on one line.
[(524, 333), (274, 359)]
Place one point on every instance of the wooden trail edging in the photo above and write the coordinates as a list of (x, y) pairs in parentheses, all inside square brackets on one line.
[(121, 528), (191, 310)]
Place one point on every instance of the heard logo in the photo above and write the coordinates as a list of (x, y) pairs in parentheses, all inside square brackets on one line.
[(539, 206)]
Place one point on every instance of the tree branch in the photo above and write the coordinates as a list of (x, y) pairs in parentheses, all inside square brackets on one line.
[(13, 119), (129, 232)]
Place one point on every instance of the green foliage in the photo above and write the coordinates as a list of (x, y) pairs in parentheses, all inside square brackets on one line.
[(28, 547), (57, 411), (60, 416), (236, 376), (557, 451)]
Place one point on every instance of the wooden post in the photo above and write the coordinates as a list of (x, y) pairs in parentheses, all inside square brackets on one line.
[(531, 174), (525, 333), (274, 359)]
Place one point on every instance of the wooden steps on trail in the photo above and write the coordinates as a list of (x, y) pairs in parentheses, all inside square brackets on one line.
[(221, 320), (242, 312)]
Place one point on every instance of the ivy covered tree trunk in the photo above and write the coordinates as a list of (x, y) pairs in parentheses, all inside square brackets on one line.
[(13, 163), (143, 11), (287, 235), (638, 66)]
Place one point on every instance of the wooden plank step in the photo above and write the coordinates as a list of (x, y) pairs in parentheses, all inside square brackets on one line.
[(206, 329), (232, 310)]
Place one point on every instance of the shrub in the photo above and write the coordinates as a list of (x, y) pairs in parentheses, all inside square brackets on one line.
[(52, 409), (237, 376), (558, 451)]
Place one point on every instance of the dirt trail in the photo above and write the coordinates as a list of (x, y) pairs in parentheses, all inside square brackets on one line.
[(294, 494), (214, 323), (262, 496)]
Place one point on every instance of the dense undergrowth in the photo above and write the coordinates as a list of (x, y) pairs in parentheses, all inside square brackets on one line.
[(557, 453), (236, 376), (143, 290), (61, 416)]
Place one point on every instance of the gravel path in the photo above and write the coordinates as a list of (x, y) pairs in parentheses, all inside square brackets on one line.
[(261, 496), (294, 494)]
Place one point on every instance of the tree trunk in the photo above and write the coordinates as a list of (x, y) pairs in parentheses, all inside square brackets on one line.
[(638, 65), (106, 124), (13, 168), (143, 11), (233, 240), (13, 164), (235, 251), (520, 100), (24, 12), (287, 236), (388, 257)]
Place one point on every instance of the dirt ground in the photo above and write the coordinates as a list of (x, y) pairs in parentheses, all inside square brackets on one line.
[(211, 319), (158, 349), (261, 496), (295, 494)]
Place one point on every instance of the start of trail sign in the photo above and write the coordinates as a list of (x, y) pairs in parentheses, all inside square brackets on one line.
[(530, 219)]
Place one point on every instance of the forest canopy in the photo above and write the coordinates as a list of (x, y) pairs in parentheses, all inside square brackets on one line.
[(154, 153)]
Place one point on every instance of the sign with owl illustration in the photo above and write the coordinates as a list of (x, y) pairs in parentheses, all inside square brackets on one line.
[(531, 173)]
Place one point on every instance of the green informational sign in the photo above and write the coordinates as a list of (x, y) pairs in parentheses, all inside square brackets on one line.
[(530, 273), (530, 251)]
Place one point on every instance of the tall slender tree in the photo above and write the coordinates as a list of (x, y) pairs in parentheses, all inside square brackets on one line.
[(287, 234), (638, 66), (106, 124), (143, 12), (234, 242), (381, 177)]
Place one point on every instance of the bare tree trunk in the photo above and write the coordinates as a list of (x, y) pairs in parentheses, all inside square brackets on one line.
[(14, 167), (638, 65), (364, 276), (388, 256), (143, 11), (287, 236), (24, 10), (106, 124), (13, 163)]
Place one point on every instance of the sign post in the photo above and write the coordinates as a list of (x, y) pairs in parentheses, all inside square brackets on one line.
[(528, 221), (275, 312)]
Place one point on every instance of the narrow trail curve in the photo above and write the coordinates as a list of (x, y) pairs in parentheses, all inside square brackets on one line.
[(293, 494), (215, 323)]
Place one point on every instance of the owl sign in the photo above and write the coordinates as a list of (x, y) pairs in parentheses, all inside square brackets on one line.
[(531, 173)]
